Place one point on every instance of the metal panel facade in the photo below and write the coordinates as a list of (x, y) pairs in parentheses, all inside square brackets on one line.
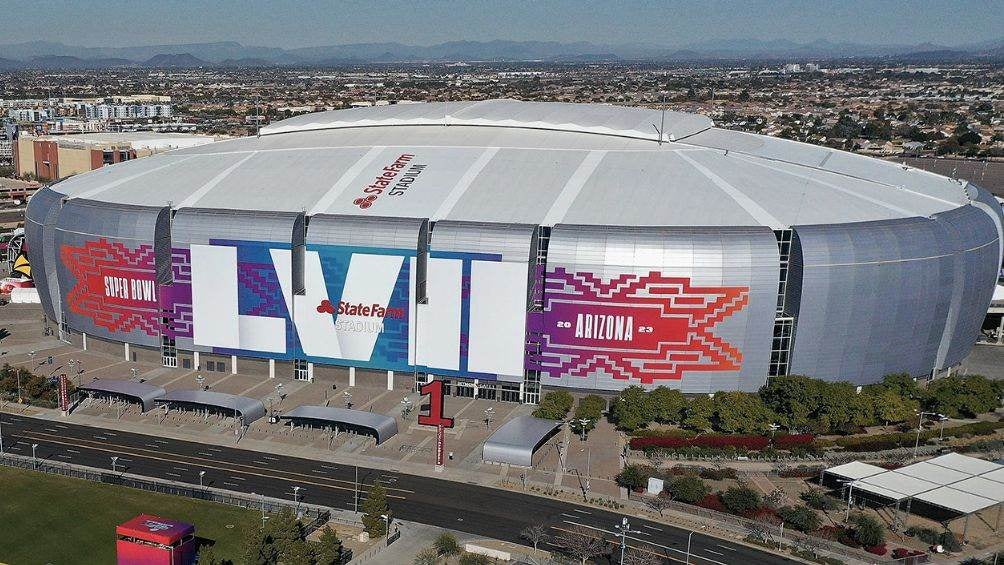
[(107, 270), (39, 233), (874, 299), (687, 308)]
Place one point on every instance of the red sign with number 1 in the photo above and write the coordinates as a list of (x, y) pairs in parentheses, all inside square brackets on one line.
[(435, 417)]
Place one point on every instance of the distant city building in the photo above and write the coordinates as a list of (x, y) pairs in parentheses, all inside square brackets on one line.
[(52, 157), (29, 114), (126, 111)]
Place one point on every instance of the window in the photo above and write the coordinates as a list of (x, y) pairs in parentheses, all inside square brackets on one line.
[(531, 387), (168, 352), (780, 354), (784, 248), (300, 371), (464, 389)]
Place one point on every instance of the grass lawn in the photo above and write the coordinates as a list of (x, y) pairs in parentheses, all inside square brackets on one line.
[(53, 519)]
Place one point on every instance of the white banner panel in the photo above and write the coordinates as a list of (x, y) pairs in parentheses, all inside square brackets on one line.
[(439, 320), (369, 284), (315, 329), (259, 333), (214, 296), (498, 318)]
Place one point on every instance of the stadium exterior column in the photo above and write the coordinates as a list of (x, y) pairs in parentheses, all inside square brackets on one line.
[(390, 380), (233, 364), (126, 351), (310, 372), (352, 376), (271, 368), (84, 341), (1000, 332), (195, 359)]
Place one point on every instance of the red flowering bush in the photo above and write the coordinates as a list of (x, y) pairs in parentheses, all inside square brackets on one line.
[(712, 502), (877, 549), (751, 443)]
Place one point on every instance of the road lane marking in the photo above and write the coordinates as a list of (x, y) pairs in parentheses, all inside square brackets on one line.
[(231, 484), (725, 547), (173, 475), (713, 551), (237, 478), (581, 511), (159, 456), (61, 456), (180, 468), (72, 450)]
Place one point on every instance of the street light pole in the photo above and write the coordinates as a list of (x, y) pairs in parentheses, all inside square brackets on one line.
[(690, 535), (34, 459), (624, 528), (115, 460), (355, 494), (920, 427), (201, 474)]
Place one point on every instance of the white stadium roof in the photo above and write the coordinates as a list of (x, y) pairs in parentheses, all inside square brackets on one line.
[(532, 163), (956, 482)]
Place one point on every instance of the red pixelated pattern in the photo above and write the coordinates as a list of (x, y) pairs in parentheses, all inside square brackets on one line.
[(681, 316), (94, 261)]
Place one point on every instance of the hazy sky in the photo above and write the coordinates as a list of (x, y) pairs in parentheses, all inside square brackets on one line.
[(297, 23)]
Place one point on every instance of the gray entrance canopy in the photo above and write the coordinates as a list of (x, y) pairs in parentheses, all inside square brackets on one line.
[(516, 441), (250, 409), (383, 427), (139, 392)]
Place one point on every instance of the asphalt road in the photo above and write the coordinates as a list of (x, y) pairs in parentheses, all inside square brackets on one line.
[(465, 507)]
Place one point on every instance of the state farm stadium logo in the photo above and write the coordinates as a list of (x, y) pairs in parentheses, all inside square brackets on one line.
[(364, 310), (113, 285), (394, 179), (635, 327)]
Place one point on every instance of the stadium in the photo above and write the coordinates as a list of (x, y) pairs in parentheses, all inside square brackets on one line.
[(505, 245)]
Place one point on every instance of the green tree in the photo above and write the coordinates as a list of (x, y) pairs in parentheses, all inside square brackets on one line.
[(668, 405), (590, 408), (207, 556), (793, 398), (967, 396), (554, 405), (427, 556), (283, 530), (256, 549), (741, 500), (689, 489), (446, 545), (329, 547), (868, 531), (631, 410), (740, 412), (374, 507), (890, 406), (299, 553), (902, 384), (698, 414), (802, 518)]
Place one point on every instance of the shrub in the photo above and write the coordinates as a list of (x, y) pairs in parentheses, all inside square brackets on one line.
[(717, 474), (868, 531), (446, 544), (688, 489), (801, 471), (802, 518), (926, 535), (819, 500), (468, 558), (741, 500), (674, 432), (950, 542), (712, 502), (750, 443), (877, 549), (634, 477)]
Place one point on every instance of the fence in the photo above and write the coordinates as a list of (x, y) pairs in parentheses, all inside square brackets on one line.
[(314, 516), (772, 534), (829, 457)]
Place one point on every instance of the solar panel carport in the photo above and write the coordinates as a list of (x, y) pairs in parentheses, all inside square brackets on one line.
[(131, 390), (250, 409), (383, 427), (951, 485), (516, 441)]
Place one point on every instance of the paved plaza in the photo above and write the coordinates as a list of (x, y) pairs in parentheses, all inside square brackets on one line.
[(565, 460)]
